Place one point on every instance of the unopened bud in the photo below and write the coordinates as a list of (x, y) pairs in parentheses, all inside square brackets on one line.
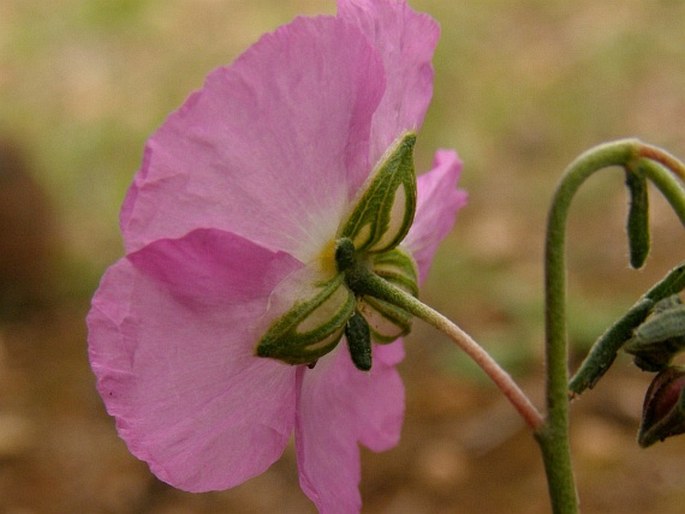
[(660, 336), (663, 414)]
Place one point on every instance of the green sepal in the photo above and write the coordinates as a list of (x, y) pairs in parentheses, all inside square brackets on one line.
[(384, 211), (666, 322), (637, 225), (398, 268), (312, 327), (386, 320), (358, 337)]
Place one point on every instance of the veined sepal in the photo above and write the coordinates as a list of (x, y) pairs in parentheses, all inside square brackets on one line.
[(399, 268), (312, 327), (384, 211), (386, 320)]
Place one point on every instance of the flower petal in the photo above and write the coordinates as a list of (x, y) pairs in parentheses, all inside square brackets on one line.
[(264, 149), (339, 406), (406, 40), (171, 341), (438, 201)]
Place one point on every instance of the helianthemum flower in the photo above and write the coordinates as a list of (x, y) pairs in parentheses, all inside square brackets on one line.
[(258, 205)]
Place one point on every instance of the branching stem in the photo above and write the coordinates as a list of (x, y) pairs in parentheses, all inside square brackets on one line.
[(634, 156)]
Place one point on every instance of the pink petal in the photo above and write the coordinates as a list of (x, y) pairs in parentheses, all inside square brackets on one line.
[(171, 339), (438, 201), (339, 406), (264, 149), (406, 40)]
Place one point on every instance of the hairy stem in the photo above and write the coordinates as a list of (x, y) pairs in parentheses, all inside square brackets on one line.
[(364, 281), (635, 157), (553, 438), (668, 161), (670, 187)]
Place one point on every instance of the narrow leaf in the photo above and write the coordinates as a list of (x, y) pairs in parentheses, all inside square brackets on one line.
[(664, 323), (604, 351), (660, 337), (637, 225)]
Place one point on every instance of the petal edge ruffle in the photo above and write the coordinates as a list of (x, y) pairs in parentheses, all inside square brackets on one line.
[(177, 372), (269, 147)]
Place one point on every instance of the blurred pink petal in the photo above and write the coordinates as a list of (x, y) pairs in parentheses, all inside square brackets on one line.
[(437, 203), (171, 338), (339, 406), (406, 40), (265, 148)]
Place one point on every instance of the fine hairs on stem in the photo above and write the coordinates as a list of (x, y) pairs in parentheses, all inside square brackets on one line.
[(551, 430)]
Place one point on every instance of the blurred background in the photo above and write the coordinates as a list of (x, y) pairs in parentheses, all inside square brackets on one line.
[(521, 89)]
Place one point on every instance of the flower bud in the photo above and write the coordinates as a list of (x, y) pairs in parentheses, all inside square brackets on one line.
[(660, 336), (663, 413)]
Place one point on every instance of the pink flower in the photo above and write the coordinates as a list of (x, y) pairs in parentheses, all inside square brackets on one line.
[(231, 221)]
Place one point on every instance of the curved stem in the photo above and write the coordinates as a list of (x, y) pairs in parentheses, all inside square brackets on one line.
[(553, 437), (664, 158), (499, 376), (364, 281), (664, 180), (649, 162)]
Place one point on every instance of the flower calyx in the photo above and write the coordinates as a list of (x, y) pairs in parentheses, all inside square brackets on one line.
[(660, 336), (358, 300)]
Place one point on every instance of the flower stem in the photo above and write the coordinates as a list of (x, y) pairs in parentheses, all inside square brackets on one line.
[(553, 437), (552, 432), (366, 282), (668, 161), (671, 188)]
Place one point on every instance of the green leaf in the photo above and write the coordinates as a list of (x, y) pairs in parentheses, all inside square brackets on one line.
[(604, 351), (384, 211), (660, 337), (666, 322), (637, 225), (312, 327)]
